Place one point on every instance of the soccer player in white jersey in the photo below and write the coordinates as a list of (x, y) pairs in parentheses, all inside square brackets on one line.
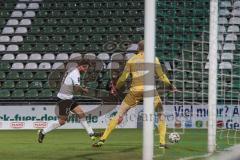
[(70, 84)]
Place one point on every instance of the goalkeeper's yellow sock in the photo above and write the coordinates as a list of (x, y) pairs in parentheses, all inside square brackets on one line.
[(112, 124), (162, 128)]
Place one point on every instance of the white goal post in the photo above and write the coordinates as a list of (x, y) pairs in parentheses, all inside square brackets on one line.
[(149, 49), (149, 36), (212, 85)]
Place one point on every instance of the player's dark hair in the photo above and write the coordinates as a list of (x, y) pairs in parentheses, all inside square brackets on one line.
[(84, 62)]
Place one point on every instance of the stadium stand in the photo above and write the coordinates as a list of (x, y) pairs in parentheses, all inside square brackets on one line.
[(40, 37)]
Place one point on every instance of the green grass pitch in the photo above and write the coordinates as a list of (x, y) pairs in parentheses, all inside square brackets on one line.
[(123, 144)]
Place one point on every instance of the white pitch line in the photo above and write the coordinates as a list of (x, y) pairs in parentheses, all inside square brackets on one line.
[(194, 157)]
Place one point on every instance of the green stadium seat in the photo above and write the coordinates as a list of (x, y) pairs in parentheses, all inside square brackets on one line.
[(179, 75), (69, 38), (40, 75), (47, 30), (46, 5), (35, 30), (66, 47), (89, 21), (39, 47), (13, 75), (4, 66), (198, 66), (100, 29), (60, 30), (8, 84), (4, 94), (43, 38), (2, 21), (113, 38), (52, 21), (56, 13), (114, 29), (22, 84), (31, 93), (73, 30), (26, 47), (9, 5), (43, 13), (54, 75), (52, 47), (69, 13), (39, 22), (4, 13), (137, 37), (82, 38), (77, 21), (2, 75), (50, 84), (87, 30), (18, 93), (97, 38), (30, 38), (102, 22), (26, 76), (57, 38), (94, 47), (36, 85), (59, 5), (65, 21), (46, 93)]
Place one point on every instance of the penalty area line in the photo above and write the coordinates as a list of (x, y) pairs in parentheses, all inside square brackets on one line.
[(196, 157)]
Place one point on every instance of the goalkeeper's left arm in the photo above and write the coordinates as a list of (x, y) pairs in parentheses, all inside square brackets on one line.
[(123, 77), (162, 76)]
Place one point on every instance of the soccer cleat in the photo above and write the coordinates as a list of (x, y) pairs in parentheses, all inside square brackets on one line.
[(96, 135), (163, 146), (99, 143), (40, 136)]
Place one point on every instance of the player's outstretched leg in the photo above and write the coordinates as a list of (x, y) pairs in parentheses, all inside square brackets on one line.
[(95, 135), (40, 136), (41, 133), (162, 128), (81, 115), (112, 124)]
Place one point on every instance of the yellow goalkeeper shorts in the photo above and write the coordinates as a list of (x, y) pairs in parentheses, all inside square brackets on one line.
[(133, 98)]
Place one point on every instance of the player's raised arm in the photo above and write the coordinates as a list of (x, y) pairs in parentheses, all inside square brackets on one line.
[(77, 88), (123, 76), (162, 76)]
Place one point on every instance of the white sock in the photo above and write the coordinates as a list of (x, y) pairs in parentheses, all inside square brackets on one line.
[(51, 127), (86, 126)]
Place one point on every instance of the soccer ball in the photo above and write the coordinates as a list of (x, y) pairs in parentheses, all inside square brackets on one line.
[(174, 137)]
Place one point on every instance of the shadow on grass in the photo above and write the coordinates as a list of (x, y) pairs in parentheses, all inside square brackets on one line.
[(91, 156)]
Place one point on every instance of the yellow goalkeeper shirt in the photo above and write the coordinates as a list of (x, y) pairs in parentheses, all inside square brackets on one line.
[(135, 67)]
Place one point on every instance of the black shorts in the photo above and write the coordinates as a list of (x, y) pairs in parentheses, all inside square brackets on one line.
[(65, 106)]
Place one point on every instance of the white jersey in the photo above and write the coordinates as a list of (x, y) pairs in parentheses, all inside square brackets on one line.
[(71, 78)]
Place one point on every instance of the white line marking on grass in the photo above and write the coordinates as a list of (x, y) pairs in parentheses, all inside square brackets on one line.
[(195, 157)]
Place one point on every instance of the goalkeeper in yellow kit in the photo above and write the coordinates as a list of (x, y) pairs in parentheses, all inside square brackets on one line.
[(135, 67)]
